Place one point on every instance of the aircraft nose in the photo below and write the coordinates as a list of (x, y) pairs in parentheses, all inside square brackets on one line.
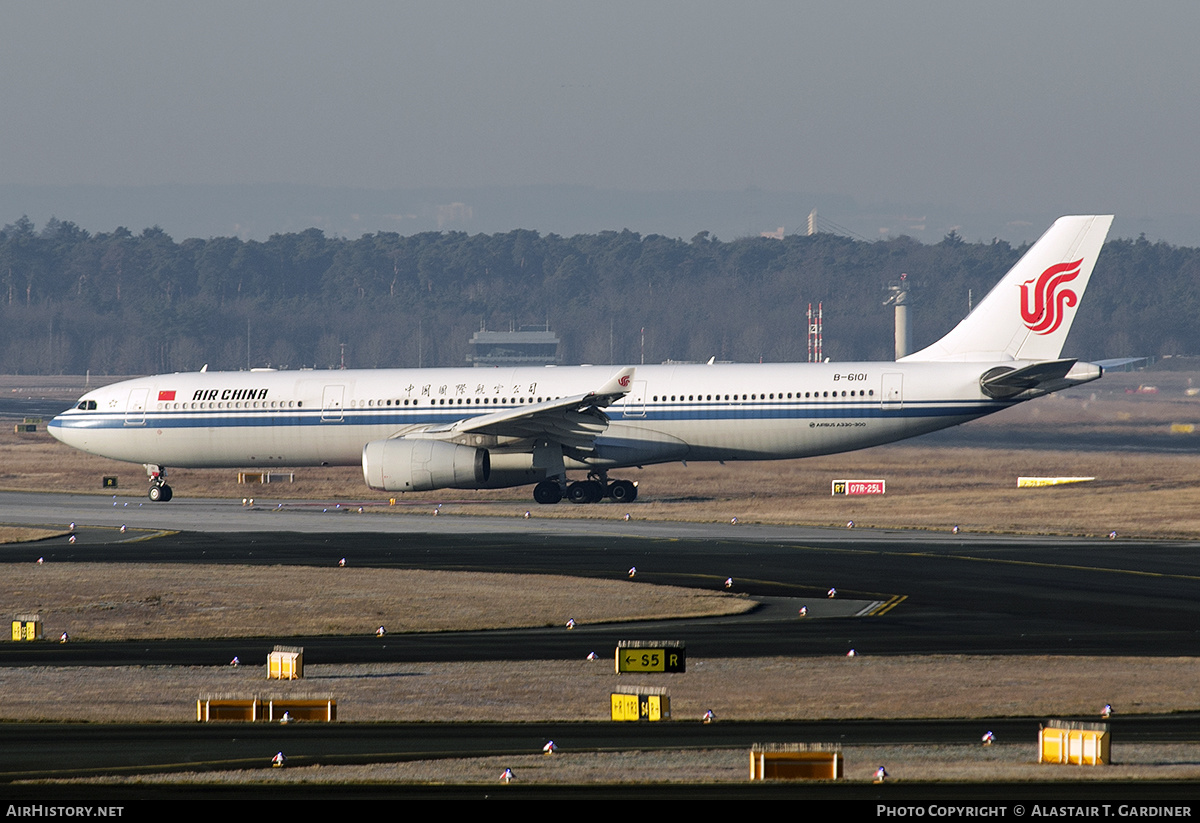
[(61, 428), (55, 427)]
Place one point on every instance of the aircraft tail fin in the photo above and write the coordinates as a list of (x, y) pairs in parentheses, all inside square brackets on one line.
[(1029, 313)]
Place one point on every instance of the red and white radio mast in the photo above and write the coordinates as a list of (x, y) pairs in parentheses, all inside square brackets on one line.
[(816, 349)]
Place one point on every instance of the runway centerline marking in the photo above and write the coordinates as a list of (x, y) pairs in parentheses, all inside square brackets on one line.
[(1041, 565), (1003, 561)]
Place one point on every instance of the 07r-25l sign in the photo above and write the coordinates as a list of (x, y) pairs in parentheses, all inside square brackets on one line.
[(854, 487)]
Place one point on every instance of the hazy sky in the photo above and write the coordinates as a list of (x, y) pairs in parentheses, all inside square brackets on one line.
[(1059, 106)]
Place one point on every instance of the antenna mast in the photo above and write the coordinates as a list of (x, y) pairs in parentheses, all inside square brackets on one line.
[(816, 333)]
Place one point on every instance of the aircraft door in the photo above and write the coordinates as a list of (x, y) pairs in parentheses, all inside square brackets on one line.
[(892, 391), (635, 401), (331, 404), (135, 412)]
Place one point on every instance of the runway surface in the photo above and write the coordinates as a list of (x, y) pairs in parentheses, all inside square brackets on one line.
[(912, 592), (898, 593), (28, 750)]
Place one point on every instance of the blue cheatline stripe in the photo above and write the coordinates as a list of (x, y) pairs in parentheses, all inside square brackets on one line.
[(361, 417)]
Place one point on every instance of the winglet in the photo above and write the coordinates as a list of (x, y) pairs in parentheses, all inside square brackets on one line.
[(1028, 315), (617, 386)]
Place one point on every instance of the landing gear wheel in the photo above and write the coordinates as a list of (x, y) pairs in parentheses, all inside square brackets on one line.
[(160, 493), (622, 491), (585, 491), (547, 492)]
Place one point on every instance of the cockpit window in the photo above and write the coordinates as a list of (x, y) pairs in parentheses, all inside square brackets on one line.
[(86, 405)]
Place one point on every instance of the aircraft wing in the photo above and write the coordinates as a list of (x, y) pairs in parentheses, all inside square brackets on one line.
[(572, 421)]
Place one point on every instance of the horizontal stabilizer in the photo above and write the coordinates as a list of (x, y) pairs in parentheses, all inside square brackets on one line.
[(1119, 362), (1049, 375)]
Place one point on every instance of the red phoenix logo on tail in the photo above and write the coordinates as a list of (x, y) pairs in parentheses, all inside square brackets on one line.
[(623, 381), (1044, 313)]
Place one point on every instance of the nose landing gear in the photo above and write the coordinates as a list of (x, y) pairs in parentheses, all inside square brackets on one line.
[(159, 492)]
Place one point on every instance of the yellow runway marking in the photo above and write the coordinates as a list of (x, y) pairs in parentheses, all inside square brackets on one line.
[(884, 608), (152, 535)]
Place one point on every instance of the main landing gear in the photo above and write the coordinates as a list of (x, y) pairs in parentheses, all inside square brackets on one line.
[(160, 492), (593, 490)]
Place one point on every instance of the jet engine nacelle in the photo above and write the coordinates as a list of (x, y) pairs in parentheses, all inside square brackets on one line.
[(404, 465)]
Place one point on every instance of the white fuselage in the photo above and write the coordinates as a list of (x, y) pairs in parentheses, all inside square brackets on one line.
[(682, 412)]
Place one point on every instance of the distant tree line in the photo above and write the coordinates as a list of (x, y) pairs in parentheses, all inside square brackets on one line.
[(124, 303)]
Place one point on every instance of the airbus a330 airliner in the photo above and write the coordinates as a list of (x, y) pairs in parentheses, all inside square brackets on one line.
[(423, 429)]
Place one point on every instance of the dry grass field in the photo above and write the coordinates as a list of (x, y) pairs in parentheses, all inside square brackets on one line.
[(154, 601), (771, 688)]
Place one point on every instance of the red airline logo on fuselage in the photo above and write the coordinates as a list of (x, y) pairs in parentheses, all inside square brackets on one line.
[(1045, 313)]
